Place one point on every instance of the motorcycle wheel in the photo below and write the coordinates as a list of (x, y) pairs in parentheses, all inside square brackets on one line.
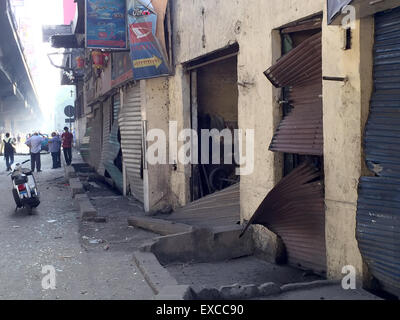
[(16, 198), (36, 203), (28, 210)]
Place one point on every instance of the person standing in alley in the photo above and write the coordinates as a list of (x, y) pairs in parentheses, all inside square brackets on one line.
[(8, 147), (67, 139), (55, 150), (35, 145)]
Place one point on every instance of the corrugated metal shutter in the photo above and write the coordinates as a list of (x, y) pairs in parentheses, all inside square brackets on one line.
[(116, 107), (294, 210), (113, 148), (130, 121), (106, 134), (378, 214), (301, 131)]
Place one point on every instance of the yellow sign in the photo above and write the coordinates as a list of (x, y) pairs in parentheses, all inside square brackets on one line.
[(148, 62)]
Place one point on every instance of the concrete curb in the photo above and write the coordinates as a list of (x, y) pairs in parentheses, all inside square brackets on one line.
[(69, 172), (76, 187), (81, 201), (155, 274), (87, 210), (162, 227)]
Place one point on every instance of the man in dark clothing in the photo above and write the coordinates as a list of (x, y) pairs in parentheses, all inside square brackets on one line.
[(9, 150), (55, 149), (67, 139)]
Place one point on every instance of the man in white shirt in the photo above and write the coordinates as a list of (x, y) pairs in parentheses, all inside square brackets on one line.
[(35, 145)]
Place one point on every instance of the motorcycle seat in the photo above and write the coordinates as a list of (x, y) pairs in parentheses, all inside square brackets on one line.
[(20, 179), (27, 171)]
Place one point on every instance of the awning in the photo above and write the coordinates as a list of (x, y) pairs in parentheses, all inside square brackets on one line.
[(363, 8), (64, 41), (335, 8), (78, 25), (301, 131)]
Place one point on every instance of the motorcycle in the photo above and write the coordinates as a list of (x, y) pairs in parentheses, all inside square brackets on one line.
[(25, 191)]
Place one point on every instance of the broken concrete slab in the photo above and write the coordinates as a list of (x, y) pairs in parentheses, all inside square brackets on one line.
[(177, 292), (203, 245), (208, 294), (155, 274), (239, 292), (69, 172), (268, 289), (163, 227), (87, 210), (78, 198), (76, 187), (308, 285)]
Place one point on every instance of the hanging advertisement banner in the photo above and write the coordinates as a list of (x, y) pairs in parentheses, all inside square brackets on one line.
[(147, 54), (121, 68), (106, 26)]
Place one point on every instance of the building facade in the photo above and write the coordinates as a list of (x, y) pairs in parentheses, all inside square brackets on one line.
[(248, 65)]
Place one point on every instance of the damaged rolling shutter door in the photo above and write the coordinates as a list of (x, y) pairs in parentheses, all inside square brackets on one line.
[(378, 212), (113, 148), (294, 211), (130, 122), (106, 135), (295, 208), (301, 131), (116, 108)]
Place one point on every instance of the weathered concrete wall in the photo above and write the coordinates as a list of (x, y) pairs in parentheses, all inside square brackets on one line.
[(80, 130), (179, 112), (346, 108), (155, 108)]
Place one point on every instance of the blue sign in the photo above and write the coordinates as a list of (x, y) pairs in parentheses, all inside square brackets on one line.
[(106, 26), (147, 55)]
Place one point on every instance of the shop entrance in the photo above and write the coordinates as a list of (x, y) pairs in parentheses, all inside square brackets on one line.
[(214, 106)]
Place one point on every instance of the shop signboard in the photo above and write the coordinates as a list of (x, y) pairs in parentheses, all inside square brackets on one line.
[(148, 58), (106, 25)]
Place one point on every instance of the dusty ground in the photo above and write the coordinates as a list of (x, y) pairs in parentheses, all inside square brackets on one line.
[(243, 271), (54, 236)]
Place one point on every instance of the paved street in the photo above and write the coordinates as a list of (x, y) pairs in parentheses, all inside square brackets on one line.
[(54, 236)]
